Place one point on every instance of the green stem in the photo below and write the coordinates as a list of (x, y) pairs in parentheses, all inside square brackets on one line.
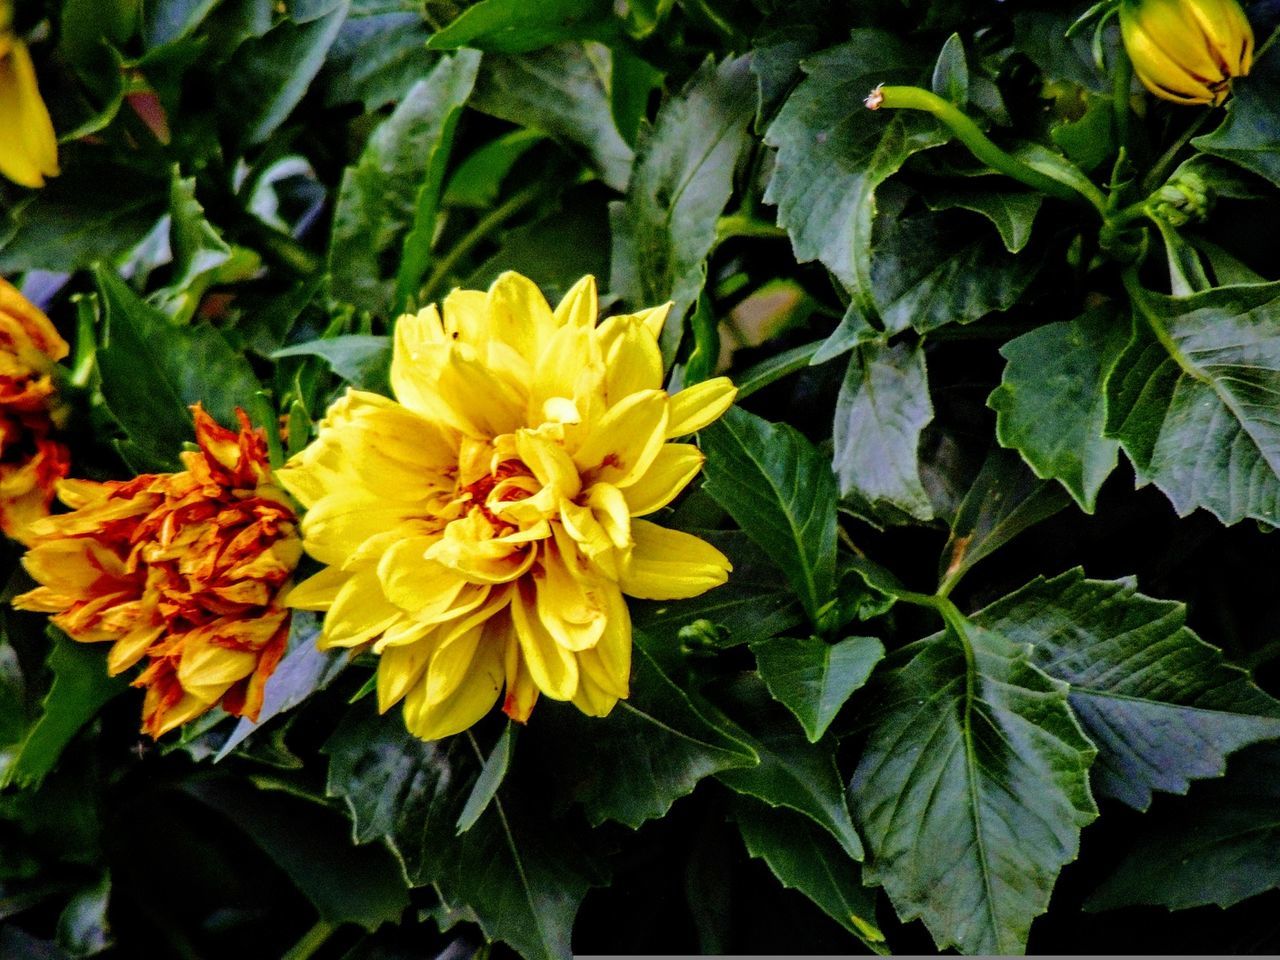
[(311, 941), (1160, 171), (745, 225), (968, 132), (1121, 81), (484, 226), (775, 368), (1138, 296)]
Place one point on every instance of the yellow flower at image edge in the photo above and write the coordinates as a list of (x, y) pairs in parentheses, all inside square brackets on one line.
[(32, 457), (28, 146), (185, 571), (481, 530), (1187, 51)]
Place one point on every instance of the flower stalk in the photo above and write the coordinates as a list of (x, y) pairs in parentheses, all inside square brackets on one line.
[(979, 144)]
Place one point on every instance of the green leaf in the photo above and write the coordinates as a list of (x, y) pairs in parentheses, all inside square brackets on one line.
[(516, 872), (558, 249), (1013, 212), (80, 218), (563, 93), (951, 72), (519, 26), (1042, 36), (83, 926), (683, 177), (1216, 846), (302, 671), (1162, 705), (813, 678), (650, 751), (833, 154), (268, 75), (972, 789), (379, 53), (1003, 501), (80, 688), (631, 85), (198, 251), (387, 202), (150, 376), (881, 411), (781, 492), (490, 779), (792, 773), (1195, 413), (362, 360), (1249, 133), (804, 858), (1051, 403), (310, 843), (932, 270), (166, 21), (477, 182), (753, 606)]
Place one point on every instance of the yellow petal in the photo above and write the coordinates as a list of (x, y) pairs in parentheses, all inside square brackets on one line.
[(467, 702), (671, 471), (580, 305), (631, 358), (553, 668), (623, 443), (608, 663), (571, 608), (522, 692), (700, 405), (399, 669), (671, 565), (28, 147), (424, 589), (549, 463), (319, 591), (519, 315), (131, 648), (469, 547), (359, 613), (337, 525)]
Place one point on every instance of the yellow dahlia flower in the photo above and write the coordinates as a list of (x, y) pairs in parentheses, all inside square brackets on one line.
[(1187, 51), (32, 459), (186, 570), (28, 146), (482, 529)]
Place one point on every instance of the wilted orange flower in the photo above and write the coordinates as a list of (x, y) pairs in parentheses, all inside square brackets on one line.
[(185, 570), (31, 460)]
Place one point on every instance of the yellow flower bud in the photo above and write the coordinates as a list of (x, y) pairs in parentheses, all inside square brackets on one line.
[(1187, 51), (28, 147)]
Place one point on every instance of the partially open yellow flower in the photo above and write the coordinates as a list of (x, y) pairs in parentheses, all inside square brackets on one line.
[(185, 570), (28, 146), (483, 530), (1187, 51)]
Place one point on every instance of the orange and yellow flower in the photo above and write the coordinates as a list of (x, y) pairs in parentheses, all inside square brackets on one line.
[(28, 146), (32, 459), (185, 571), (482, 529)]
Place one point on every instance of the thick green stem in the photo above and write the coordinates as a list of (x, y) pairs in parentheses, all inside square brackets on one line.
[(968, 133)]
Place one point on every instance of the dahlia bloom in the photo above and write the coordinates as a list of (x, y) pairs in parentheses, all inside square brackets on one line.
[(28, 146), (182, 571), (481, 529), (31, 459)]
